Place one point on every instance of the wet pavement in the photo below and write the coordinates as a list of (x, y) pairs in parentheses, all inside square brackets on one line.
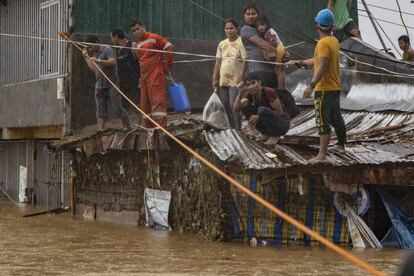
[(57, 244)]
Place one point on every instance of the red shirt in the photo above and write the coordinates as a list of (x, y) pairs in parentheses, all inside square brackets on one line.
[(150, 59), (268, 95)]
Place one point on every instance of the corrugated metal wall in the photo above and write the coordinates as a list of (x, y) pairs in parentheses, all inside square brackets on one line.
[(51, 172), (21, 56), (195, 19), (12, 156)]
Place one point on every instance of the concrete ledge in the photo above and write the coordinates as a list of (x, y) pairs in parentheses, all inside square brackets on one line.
[(47, 132), (31, 104)]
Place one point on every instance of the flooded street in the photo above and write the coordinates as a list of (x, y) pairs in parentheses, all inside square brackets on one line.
[(58, 244)]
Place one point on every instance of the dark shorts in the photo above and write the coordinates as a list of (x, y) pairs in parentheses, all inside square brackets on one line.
[(345, 32), (328, 113), (104, 97)]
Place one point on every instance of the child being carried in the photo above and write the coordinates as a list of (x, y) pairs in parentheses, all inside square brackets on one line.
[(280, 54)]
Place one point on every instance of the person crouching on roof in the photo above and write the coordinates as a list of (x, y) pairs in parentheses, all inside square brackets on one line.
[(153, 65), (263, 109)]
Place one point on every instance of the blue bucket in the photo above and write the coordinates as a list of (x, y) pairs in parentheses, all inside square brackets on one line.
[(179, 97)]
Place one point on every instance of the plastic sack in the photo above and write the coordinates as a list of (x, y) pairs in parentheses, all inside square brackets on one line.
[(215, 113)]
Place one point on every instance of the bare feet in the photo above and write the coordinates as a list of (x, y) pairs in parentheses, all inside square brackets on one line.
[(272, 141), (251, 131), (340, 148), (317, 159), (261, 137)]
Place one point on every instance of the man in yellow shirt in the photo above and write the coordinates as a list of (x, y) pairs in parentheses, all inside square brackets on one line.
[(326, 84)]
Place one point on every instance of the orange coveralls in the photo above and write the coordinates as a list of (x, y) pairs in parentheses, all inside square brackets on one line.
[(153, 66)]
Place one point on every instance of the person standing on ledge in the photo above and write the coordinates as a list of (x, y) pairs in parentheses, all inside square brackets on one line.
[(154, 65), (326, 84), (104, 57)]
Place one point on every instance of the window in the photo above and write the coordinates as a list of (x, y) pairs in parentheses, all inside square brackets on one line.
[(51, 51)]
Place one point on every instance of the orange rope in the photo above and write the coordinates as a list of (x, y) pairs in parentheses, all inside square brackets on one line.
[(247, 191)]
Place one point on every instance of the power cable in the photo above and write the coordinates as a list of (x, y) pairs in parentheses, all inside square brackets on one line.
[(386, 35), (402, 19), (85, 44), (386, 21), (388, 9)]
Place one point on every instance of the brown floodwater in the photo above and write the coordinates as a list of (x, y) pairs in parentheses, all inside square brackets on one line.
[(57, 244)]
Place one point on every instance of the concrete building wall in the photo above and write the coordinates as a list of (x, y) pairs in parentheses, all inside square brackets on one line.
[(31, 104)]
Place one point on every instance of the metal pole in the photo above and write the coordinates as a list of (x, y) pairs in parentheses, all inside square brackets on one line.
[(375, 26), (72, 194)]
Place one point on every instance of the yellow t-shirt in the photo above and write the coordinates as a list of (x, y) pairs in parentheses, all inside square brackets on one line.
[(232, 54), (328, 47)]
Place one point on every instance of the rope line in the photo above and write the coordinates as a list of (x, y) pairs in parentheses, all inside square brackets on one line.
[(211, 57), (241, 187)]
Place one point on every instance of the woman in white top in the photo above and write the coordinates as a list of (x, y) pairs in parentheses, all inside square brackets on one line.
[(229, 70)]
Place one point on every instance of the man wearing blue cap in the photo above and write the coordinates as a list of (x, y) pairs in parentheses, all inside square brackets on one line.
[(326, 84)]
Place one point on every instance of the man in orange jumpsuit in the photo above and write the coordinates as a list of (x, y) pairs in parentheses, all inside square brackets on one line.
[(153, 67)]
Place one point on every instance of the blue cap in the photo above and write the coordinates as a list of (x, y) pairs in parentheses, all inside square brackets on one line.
[(325, 18)]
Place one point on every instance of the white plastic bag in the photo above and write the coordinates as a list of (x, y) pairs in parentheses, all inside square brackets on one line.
[(215, 113)]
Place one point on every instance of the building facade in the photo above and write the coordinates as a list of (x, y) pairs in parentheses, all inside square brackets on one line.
[(47, 89)]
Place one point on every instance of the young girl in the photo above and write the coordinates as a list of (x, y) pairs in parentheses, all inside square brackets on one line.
[(271, 36), (229, 70)]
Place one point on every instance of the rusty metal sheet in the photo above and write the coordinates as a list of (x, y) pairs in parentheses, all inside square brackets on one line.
[(129, 141), (117, 141), (144, 141), (106, 141)]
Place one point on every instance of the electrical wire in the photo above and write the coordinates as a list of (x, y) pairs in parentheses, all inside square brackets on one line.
[(388, 9), (386, 35), (402, 19), (85, 44), (386, 21)]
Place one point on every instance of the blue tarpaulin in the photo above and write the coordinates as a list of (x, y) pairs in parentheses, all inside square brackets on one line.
[(401, 234)]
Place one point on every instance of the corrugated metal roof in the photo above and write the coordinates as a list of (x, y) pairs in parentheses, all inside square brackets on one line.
[(376, 138), (232, 146)]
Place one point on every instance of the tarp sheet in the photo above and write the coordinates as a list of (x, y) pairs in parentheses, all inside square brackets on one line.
[(401, 234)]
